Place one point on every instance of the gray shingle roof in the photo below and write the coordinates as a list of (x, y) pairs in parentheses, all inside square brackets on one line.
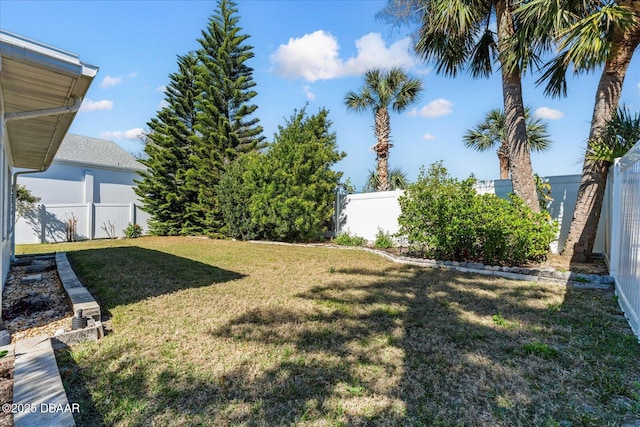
[(97, 152)]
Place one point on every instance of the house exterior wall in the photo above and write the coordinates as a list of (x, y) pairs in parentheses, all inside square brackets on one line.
[(93, 196), (5, 203)]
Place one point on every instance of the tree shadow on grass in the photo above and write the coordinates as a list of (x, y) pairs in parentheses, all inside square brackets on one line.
[(403, 349), (428, 348), (125, 275), (408, 347)]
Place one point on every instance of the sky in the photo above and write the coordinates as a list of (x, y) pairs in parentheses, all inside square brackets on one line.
[(309, 53)]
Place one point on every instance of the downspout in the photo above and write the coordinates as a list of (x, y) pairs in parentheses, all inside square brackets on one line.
[(21, 115)]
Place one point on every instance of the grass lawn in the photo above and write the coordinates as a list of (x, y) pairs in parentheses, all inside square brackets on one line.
[(231, 333)]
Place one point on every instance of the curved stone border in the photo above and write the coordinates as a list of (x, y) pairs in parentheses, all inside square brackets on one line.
[(37, 384), (543, 274), (78, 294)]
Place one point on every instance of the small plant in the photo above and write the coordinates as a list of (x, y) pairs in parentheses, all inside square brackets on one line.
[(72, 224), (384, 240), (540, 349), (346, 239), (500, 320), (132, 231), (110, 229)]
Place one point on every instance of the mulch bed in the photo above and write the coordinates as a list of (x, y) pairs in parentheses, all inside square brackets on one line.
[(30, 309)]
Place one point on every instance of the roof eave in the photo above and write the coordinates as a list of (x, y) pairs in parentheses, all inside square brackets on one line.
[(62, 77)]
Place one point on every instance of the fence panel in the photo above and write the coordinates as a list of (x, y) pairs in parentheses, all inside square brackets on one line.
[(54, 219), (110, 220), (141, 218), (362, 214), (92, 221), (625, 255)]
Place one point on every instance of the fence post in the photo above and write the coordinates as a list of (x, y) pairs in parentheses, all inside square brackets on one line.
[(132, 213), (90, 221), (616, 230)]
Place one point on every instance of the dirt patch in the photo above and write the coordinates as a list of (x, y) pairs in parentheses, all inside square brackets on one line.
[(38, 307)]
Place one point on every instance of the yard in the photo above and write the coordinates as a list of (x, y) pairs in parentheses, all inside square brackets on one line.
[(217, 333)]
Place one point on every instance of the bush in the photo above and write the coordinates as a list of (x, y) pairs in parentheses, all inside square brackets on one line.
[(286, 193), (384, 240), (132, 231), (444, 218), (346, 239)]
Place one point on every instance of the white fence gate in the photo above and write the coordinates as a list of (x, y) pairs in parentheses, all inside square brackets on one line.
[(624, 261)]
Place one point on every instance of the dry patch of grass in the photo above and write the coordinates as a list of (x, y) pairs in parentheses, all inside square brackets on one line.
[(230, 333)]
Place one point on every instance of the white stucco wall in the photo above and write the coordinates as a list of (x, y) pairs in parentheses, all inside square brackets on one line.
[(95, 196)]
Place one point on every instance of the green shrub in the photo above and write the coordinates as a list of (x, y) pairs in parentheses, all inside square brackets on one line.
[(346, 239), (444, 218), (287, 192), (384, 240), (132, 231)]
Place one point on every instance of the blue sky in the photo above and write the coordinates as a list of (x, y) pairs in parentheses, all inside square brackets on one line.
[(305, 52)]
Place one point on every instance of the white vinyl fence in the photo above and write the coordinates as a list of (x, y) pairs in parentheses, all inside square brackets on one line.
[(624, 260), (51, 223), (364, 214)]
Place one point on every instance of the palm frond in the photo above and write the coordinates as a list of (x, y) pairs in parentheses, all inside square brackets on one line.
[(621, 134)]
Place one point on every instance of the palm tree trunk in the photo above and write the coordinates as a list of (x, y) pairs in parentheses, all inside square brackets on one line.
[(503, 157), (516, 131), (584, 225), (382, 130)]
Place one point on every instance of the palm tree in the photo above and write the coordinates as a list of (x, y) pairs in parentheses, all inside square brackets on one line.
[(458, 35), (383, 90), (492, 132), (621, 134), (397, 180), (591, 34)]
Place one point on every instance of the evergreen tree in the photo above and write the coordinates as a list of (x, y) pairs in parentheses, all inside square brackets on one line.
[(168, 152), (225, 126), (206, 124)]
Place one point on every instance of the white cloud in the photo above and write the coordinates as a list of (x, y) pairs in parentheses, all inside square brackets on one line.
[(308, 93), (161, 89), (548, 113), (373, 52), (110, 81), (638, 86), (313, 57), (91, 105), (131, 134), (428, 137), (316, 56), (412, 113), (437, 108)]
